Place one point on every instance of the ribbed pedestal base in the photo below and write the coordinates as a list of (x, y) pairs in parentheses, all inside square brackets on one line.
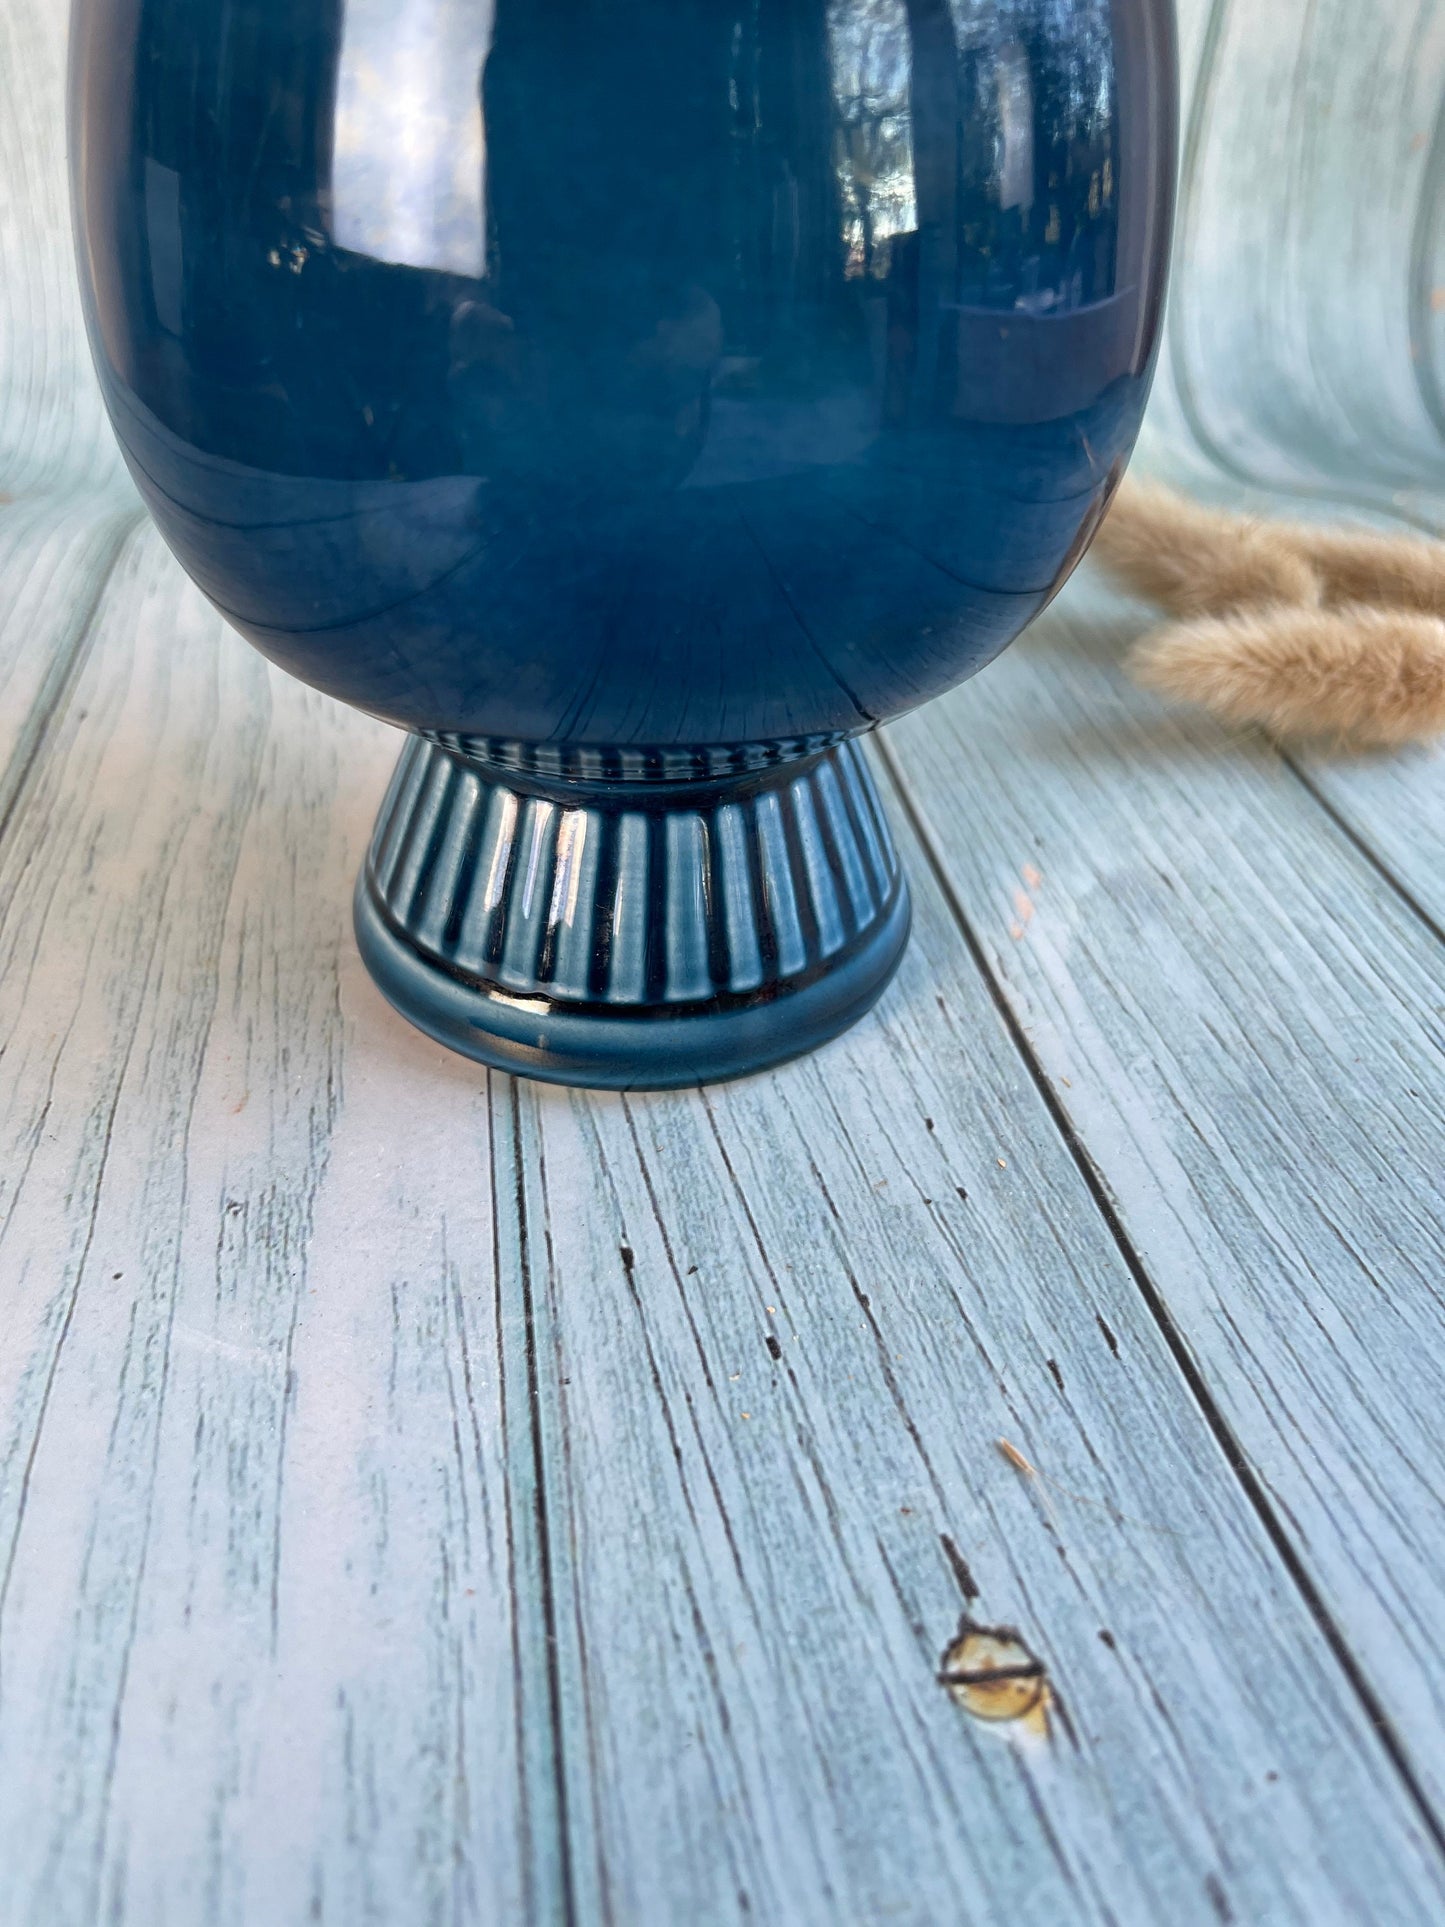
[(631, 934)]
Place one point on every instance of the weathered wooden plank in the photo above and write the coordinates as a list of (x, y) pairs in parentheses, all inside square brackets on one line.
[(267, 1497), (1304, 354), (52, 425), (257, 1548), (1243, 1023), (1394, 806), (55, 555), (776, 1346), (1304, 365), (251, 1481)]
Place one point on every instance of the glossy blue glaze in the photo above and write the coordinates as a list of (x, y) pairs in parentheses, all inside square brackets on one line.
[(644, 934), (664, 380)]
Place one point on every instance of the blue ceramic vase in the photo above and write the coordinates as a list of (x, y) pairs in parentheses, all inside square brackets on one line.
[(638, 401)]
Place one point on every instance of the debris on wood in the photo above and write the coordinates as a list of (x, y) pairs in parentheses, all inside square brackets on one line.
[(1022, 1465)]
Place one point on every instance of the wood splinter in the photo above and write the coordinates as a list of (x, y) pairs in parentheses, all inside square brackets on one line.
[(1020, 1464)]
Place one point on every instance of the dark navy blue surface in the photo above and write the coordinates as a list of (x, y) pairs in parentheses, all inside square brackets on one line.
[(636, 935), (634, 372), (639, 398)]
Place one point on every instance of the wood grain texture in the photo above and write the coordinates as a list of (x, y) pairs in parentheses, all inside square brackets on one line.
[(56, 554), (1302, 337), (1243, 1023), (257, 1553), (1281, 1167), (432, 1498), (384, 1536), (53, 432), (1394, 808), (760, 1539)]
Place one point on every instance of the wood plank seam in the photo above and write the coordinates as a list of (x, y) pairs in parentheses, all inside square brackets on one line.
[(1356, 839), (548, 1842), (1159, 1311), (548, 1592), (55, 691)]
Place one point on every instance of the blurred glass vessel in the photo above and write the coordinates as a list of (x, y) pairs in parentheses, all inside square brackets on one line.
[(637, 401)]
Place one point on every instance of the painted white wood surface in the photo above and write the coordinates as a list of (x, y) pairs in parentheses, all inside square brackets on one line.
[(299, 1313), (53, 432), (1243, 1023), (56, 553), (256, 1657), (396, 1527)]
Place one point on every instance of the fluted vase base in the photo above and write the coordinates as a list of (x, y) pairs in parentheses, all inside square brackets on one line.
[(630, 932)]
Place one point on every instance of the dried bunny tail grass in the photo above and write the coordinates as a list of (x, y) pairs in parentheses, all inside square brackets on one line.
[(1274, 626), (1366, 677), (1405, 571), (1195, 561)]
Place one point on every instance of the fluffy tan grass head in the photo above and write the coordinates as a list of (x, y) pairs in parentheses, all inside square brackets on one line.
[(1355, 565), (1195, 561), (1372, 677)]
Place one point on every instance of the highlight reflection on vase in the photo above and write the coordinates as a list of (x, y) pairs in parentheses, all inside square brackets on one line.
[(632, 394)]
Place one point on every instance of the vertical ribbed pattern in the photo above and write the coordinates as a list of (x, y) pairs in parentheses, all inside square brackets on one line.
[(589, 899)]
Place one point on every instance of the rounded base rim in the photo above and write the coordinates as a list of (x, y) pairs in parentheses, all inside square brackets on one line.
[(636, 1047)]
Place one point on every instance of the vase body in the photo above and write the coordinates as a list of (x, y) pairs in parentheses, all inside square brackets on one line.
[(637, 401)]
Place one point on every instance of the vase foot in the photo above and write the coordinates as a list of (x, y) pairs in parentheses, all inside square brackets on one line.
[(631, 935)]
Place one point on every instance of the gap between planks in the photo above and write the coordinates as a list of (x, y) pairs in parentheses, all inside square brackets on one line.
[(1093, 1178)]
